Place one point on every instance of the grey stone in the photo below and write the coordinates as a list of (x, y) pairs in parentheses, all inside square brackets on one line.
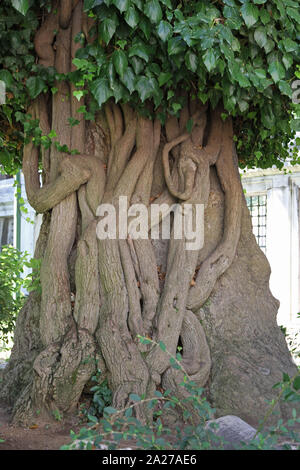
[(232, 429)]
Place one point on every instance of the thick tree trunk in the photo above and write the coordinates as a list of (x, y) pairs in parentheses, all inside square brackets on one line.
[(98, 295)]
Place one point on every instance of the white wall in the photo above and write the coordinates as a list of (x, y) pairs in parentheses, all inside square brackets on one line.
[(282, 250)]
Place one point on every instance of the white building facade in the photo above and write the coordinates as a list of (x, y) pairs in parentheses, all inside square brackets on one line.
[(276, 228)]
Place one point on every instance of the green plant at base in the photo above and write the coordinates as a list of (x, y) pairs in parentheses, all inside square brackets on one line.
[(194, 434), (12, 263), (57, 415), (102, 397)]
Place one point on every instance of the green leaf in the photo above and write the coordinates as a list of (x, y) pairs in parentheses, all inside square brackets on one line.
[(119, 91), (191, 61), (285, 88), (261, 73), (176, 45), (277, 71), (164, 30), (93, 419), (189, 125), (243, 105), (6, 77), (21, 6), (267, 117), (110, 410), (296, 383), (146, 27), (285, 377), (101, 90), (168, 3), (120, 61), (250, 14), (209, 60), (107, 29), (128, 413), (260, 36), (293, 13), (129, 79), (164, 77), (35, 86), (153, 11), (122, 5), (141, 50), (145, 86), (89, 4), (134, 397), (270, 44), (132, 17), (287, 60), (162, 346), (137, 64), (290, 45), (265, 16)]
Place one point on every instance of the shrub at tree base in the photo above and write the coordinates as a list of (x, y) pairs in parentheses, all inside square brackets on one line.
[(197, 430)]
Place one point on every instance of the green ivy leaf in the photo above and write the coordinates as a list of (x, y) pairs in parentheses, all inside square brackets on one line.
[(132, 17), (268, 117), (176, 45), (146, 27), (107, 29), (122, 5), (191, 61), (129, 79), (164, 30), (277, 71), (89, 4), (21, 6), (285, 88), (264, 16), (209, 60), (146, 87), (250, 14), (293, 13), (101, 90), (260, 36), (287, 60), (290, 45), (168, 3), (141, 50), (164, 77), (120, 61), (6, 77), (137, 64), (153, 11), (35, 86)]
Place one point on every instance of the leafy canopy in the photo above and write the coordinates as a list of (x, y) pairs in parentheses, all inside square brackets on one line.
[(244, 53)]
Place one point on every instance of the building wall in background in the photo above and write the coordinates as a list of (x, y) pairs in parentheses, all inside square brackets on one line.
[(280, 190)]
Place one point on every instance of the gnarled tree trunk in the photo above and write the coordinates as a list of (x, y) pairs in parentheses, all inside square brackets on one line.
[(98, 295)]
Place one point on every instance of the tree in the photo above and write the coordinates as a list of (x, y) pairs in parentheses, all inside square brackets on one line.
[(153, 101)]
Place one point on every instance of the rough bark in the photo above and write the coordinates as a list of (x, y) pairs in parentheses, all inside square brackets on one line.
[(98, 295)]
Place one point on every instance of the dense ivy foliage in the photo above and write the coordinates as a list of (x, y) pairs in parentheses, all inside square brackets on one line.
[(241, 52), (12, 285)]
